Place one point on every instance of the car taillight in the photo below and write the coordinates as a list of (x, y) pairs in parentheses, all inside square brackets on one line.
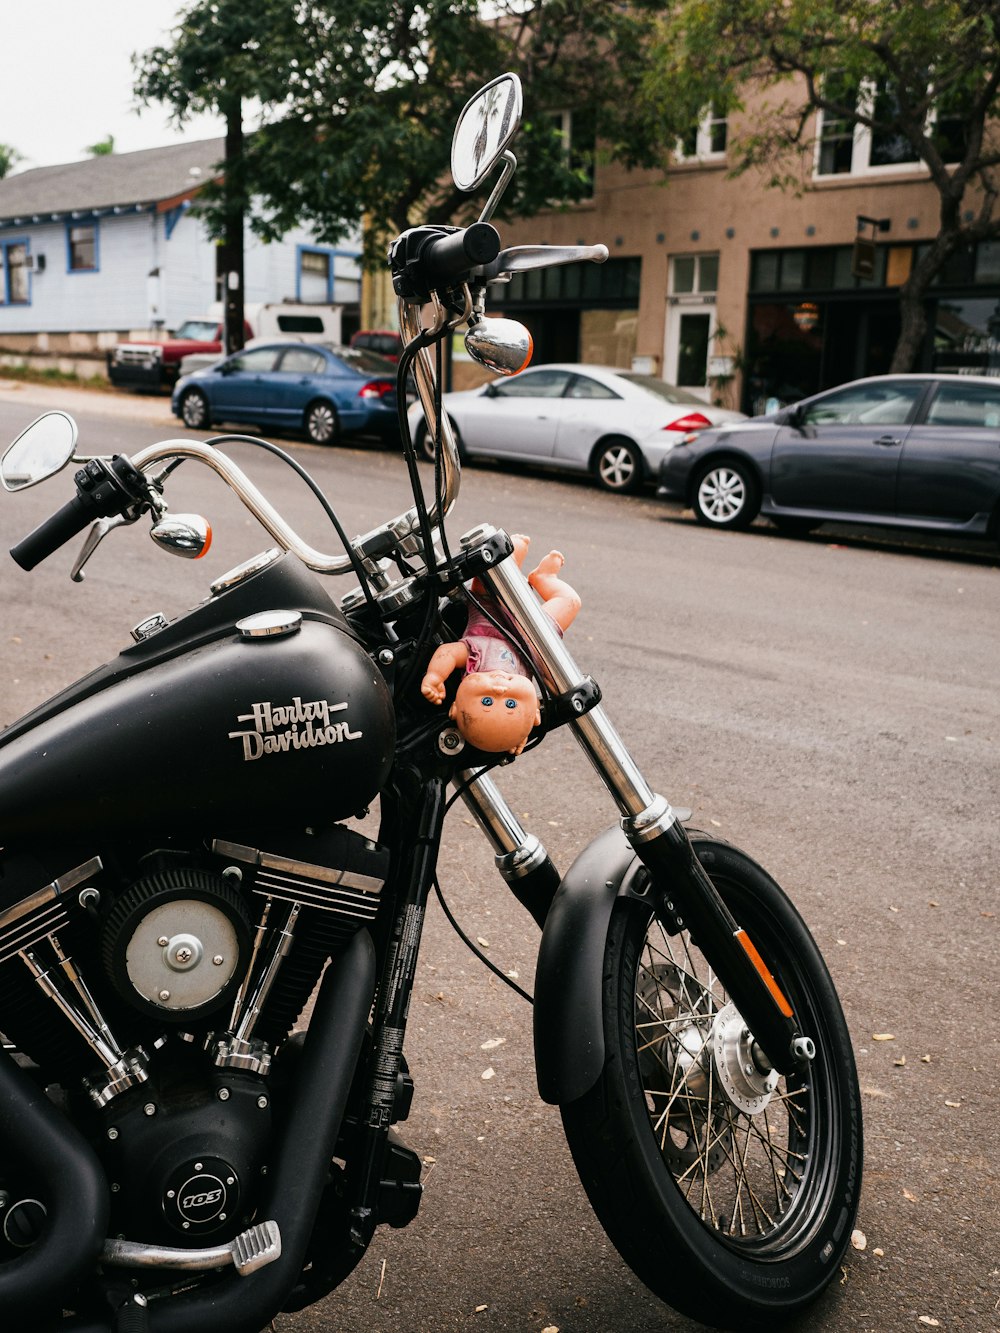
[(376, 389), (693, 421)]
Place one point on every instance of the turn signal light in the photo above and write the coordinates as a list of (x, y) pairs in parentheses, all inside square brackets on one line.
[(693, 421)]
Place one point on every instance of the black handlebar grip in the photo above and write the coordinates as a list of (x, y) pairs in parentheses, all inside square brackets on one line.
[(65, 523), (447, 257)]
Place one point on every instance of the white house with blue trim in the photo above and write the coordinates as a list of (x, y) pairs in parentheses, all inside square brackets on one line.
[(95, 250)]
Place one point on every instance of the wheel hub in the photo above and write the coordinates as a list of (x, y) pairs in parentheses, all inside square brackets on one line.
[(738, 1062)]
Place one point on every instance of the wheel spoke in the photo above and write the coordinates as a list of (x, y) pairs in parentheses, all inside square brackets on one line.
[(736, 1162)]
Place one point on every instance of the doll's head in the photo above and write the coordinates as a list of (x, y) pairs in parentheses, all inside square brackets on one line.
[(495, 711)]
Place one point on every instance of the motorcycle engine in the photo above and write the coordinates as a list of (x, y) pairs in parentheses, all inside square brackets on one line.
[(156, 1004)]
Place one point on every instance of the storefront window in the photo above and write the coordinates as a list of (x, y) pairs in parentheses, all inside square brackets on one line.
[(967, 336)]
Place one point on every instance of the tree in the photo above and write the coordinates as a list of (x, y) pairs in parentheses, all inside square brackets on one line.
[(361, 97), (223, 52), (9, 158), (923, 77), (104, 148)]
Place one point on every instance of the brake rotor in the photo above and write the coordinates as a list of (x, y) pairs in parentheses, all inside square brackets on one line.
[(676, 1071)]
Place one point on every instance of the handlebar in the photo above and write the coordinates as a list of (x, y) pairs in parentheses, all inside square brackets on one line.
[(103, 488)]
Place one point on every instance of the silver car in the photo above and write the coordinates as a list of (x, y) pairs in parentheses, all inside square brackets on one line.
[(615, 424)]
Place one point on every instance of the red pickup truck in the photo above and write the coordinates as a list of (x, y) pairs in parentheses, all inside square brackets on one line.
[(156, 365)]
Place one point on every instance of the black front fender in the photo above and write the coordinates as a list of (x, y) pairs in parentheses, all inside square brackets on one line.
[(569, 1028), (568, 1022)]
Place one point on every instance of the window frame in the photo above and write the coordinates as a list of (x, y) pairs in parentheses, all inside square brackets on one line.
[(6, 245), (93, 226), (863, 139), (704, 134)]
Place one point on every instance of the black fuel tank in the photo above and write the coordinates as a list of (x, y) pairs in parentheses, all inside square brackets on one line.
[(212, 727)]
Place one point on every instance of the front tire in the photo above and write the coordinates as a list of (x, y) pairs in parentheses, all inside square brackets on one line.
[(726, 495), (617, 465), (321, 423), (194, 410), (730, 1192)]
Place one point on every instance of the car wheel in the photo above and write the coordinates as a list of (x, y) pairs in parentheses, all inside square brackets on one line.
[(194, 410), (425, 441), (617, 465), (726, 495), (321, 423)]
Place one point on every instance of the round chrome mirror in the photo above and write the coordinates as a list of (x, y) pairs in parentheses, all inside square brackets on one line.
[(39, 452), (502, 345), (488, 122)]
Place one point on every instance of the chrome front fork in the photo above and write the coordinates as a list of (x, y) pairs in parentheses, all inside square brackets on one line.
[(689, 898), (644, 813)]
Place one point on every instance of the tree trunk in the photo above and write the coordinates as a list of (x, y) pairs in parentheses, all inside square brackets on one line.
[(235, 203), (913, 296)]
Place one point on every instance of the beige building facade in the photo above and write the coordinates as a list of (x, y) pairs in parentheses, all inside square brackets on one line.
[(750, 295)]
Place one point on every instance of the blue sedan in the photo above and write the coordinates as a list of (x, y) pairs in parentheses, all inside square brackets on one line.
[(321, 390)]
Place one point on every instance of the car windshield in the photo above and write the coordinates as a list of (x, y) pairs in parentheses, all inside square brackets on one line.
[(363, 361), (659, 388), (198, 330)]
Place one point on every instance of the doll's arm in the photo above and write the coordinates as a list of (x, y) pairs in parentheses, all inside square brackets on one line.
[(446, 659)]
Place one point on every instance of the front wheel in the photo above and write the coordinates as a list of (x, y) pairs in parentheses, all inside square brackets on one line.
[(726, 495), (730, 1191)]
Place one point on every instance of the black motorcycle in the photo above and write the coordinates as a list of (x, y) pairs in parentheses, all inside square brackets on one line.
[(205, 970)]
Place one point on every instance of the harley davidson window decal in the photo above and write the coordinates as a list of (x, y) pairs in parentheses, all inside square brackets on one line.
[(278, 728)]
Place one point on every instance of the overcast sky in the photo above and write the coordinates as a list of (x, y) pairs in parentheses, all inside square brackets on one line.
[(66, 78)]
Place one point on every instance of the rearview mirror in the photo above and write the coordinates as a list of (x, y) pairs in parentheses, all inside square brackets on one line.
[(488, 123), (40, 451)]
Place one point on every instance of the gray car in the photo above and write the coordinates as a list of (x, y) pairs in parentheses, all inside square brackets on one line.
[(907, 451), (614, 424)]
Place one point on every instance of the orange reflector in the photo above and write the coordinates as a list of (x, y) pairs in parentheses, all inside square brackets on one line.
[(751, 952), (208, 541)]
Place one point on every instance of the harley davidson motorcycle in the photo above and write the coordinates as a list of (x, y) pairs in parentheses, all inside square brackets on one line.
[(205, 972)]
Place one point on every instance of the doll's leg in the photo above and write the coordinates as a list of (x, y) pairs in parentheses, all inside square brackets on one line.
[(561, 601), (521, 544)]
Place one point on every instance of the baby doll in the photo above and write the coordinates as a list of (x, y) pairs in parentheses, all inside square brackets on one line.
[(496, 705)]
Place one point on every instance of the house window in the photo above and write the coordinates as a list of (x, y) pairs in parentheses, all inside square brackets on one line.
[(315, 275), (846, 147), (14, 283), (578, 131), (706, 140), (81, 248)]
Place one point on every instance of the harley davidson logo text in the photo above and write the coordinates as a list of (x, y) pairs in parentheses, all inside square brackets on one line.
[(278, 728)]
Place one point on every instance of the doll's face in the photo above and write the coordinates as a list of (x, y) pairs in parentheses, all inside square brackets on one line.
[(495, 711)]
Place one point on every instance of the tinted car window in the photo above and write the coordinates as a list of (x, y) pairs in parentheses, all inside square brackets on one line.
[(539, 384), (364, 362), (303, 361), (887, 404), (965, 405), (583, 386), (256, 361)]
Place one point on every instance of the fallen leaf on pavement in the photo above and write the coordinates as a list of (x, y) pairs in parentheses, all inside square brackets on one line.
[(900, 1062), (487, 1073), (929, 1320), (883, 1036), (493, 1043), (859, 1240), (907, 1195), (947, 1103)]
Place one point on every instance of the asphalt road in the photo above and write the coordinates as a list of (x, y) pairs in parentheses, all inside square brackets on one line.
[(830, 704)]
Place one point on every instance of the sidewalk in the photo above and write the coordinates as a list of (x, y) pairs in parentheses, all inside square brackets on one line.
[(118, 403)]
